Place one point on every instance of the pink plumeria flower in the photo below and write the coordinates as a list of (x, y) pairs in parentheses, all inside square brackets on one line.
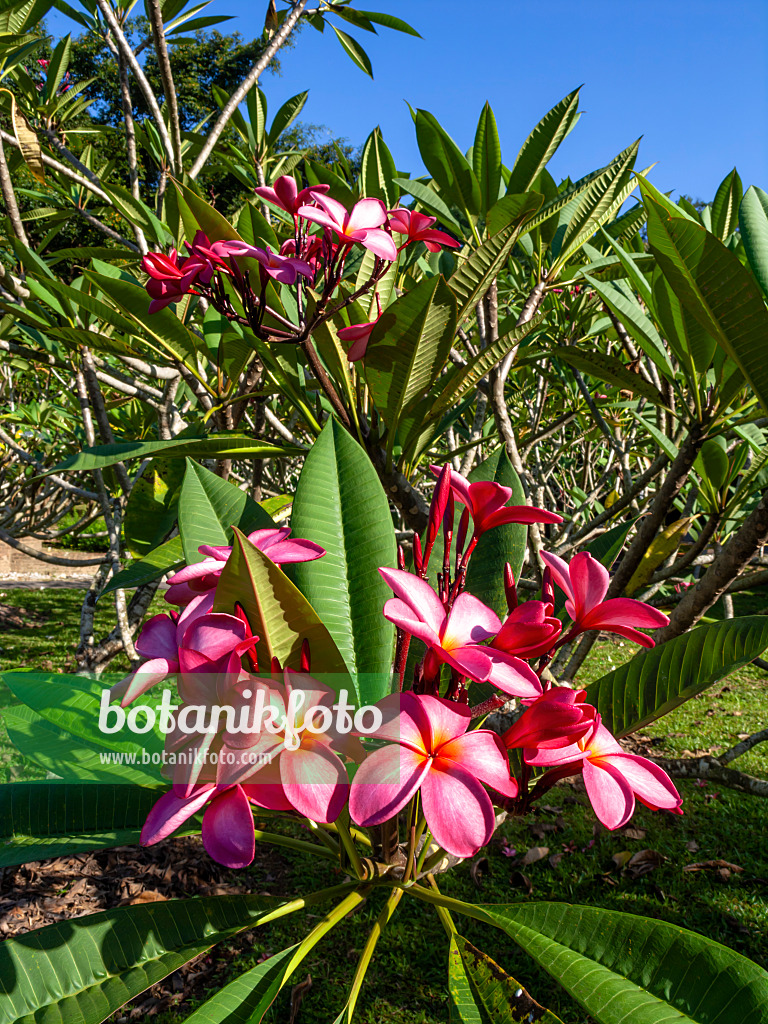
[(558, 718), (305, 772), (585, 582), (192, 580), (432, 752), (418, 227), (456, 638), (360, 225), (286, 196), (169, 281), (359, 335), (228, 831), (160, 639), (613, 778), (284, 269), (529, 631), (487, 504)]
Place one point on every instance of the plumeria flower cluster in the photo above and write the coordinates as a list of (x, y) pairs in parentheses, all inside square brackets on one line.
[(426, 757), (235, 276)]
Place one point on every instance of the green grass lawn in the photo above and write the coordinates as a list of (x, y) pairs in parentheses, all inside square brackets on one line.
[(407, 981)]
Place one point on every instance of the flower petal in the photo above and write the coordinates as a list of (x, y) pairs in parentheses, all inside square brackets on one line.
[(457, 808), (560, 572), (228, 833), (315, 781), (469, 622), (649, 782), (589, 579), (418, 594), (609, 793), (512, 675), (483, 754), (385, 782), (170, 812)]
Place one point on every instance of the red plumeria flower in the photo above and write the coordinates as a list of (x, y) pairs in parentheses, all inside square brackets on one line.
[(189, 582), (613, 778), (284, 269), (456, 638), (169, 281), (361, 224), (418, 227), (529, 631), (486, 502), (558, 718), (432, 752), (286, 196), (585, 582), (359, 335)]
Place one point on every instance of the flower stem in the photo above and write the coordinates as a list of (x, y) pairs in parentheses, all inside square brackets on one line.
[(349, 845), (294, 844), (330, 921), (365, 958)]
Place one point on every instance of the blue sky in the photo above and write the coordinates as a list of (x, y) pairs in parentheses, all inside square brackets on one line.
[(690, 77)]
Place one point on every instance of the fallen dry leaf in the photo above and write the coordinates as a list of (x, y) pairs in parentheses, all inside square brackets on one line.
[(634, 833), (643, 862), (535, 853), (555, 859), (622, 859), (297, 995), (714, 865), (478, 870), (692, 846)]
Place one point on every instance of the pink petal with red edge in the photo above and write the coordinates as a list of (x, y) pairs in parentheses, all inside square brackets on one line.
[(548, 758), (384, 783), (294, 551), (512, 675), (646, 779), (267, 789), (186, 771), (469, 622), (609, 793), (380, 244), (170, 812), (482, 753), (143, 679), (589, 579), (228, 833), (447, 720), (311, 213), (404, 720), (315, 781), (406, 618), (520, 514), (366, 214), (471, 661), (457, 808), (418, 594), (358, 349), (624, 611), (215, 635), (158, 638), (199, 606), (559, 572), (459, 485), (487, 497)]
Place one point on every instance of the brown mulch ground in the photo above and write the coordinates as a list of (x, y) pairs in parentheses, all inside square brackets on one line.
[(12, 617), (44, 892)]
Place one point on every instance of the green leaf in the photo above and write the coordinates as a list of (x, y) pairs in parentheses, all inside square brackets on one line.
[(486, 159), (725, 207), (390, 21), (198, 214), (485, 576), (163, 559), (246, 999), (504, 998), (285, 116), (659, 679), (220, 446), (163, 328), (541, 144), (278, 613), (210, 507), (340, 505), (50, 819), (608, 368), (602, 199), (446, 163), (462, 1007), (464, 379), (472, 279), (714, 286), (378, 171), (354, 50), (606, 547), (712, 461), (640, 326), (409, 346), (84, 969), (431, 202), (623, 968), (753, 224), (152, 507)]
